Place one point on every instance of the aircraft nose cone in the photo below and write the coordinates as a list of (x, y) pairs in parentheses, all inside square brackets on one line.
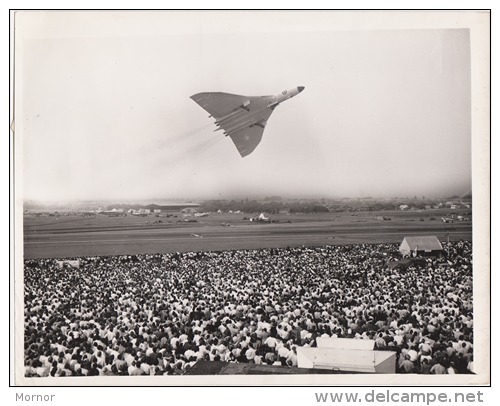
[(300, 88)]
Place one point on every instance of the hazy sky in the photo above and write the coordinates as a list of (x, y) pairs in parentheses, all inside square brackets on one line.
[(105, 110)]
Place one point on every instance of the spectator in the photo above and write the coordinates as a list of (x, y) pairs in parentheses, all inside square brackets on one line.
[(159, 314)]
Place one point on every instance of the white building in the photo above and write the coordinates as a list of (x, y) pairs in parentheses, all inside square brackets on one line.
[(425, 245)]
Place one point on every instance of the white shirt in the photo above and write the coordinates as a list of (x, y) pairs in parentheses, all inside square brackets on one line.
[(270, 342)]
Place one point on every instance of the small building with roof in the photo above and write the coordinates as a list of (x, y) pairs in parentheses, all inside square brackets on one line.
[(421, 245)]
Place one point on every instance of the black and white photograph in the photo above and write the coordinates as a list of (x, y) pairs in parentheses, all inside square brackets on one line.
[(251, 197)]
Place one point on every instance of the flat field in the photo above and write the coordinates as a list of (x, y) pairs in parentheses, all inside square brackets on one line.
[(76, 236)]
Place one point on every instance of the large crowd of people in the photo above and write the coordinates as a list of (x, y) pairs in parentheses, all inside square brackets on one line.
[(160, 314)]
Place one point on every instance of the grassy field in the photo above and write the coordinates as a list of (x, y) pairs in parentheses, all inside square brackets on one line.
[(71, 236)]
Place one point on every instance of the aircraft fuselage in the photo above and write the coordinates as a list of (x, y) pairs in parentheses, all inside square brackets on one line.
[(287, 94)]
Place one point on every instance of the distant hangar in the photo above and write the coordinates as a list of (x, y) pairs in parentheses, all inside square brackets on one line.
[(164, 208)]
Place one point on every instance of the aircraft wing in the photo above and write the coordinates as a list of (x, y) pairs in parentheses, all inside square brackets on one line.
[(243, 118), (220, 104), (247, 139)]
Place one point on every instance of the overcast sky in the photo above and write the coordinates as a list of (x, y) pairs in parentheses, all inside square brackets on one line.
[(105, 110)]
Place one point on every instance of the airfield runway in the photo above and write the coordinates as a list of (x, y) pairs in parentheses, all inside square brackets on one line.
[(77, 237)]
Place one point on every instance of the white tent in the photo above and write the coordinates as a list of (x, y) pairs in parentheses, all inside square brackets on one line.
[(420, 245), (346, 354)]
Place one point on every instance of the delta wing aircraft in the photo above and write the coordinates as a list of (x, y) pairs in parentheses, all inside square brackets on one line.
[(243, 118)]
